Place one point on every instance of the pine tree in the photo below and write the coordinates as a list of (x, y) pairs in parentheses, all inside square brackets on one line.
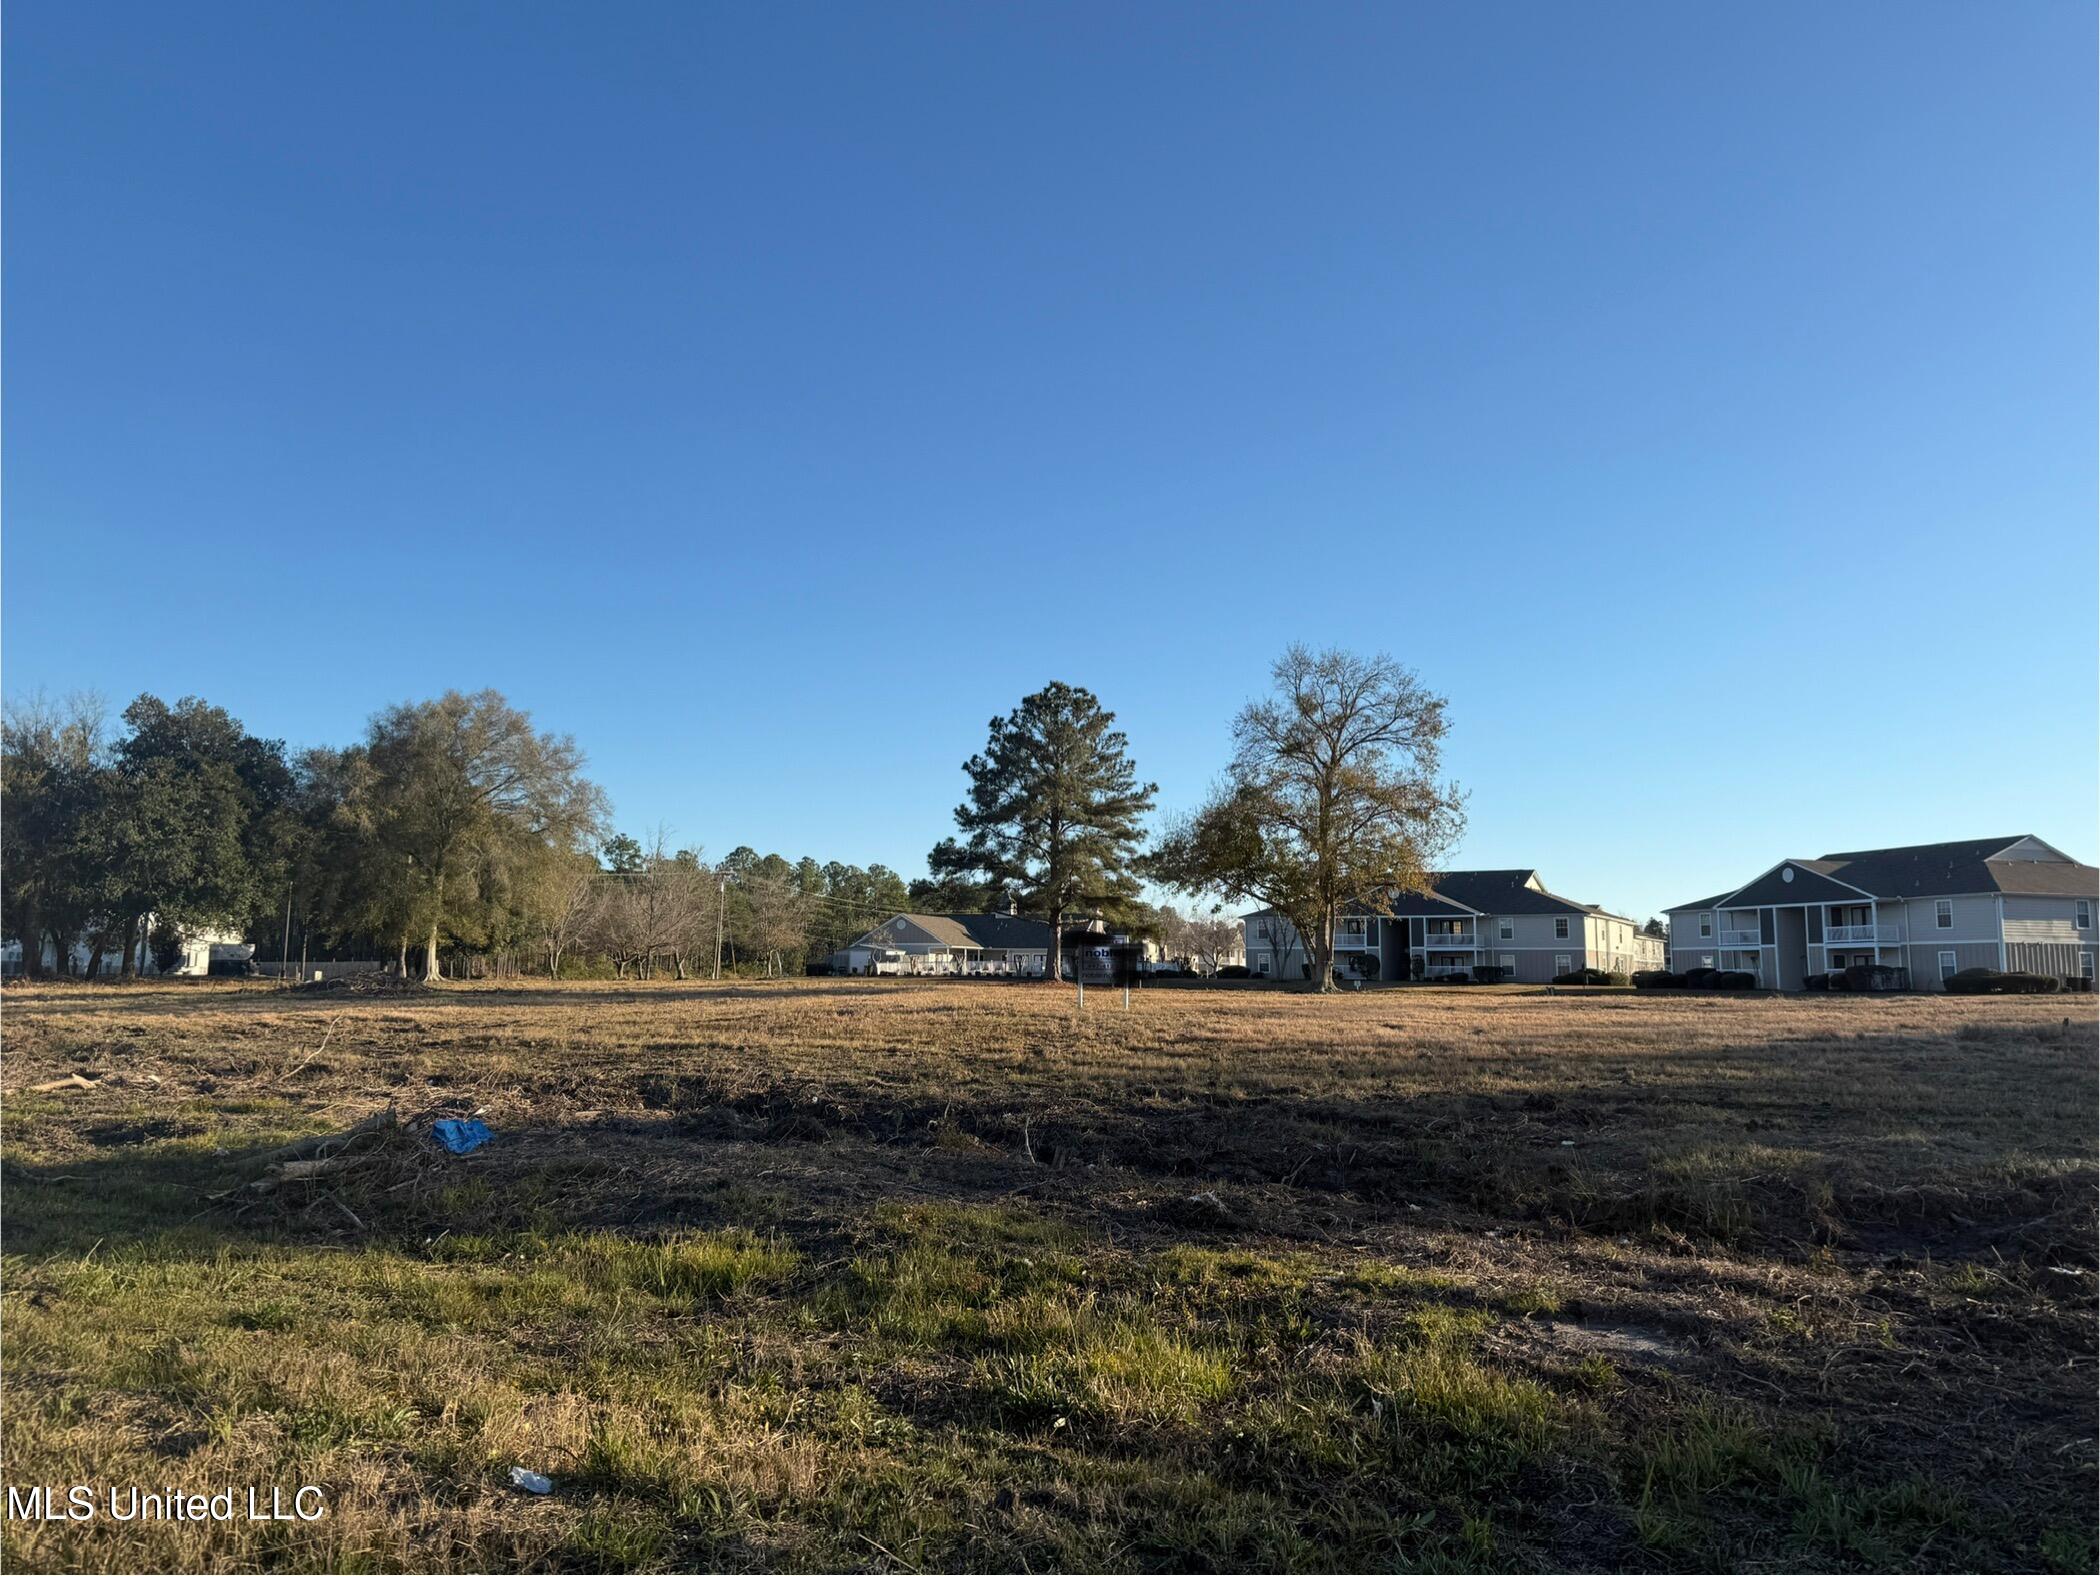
[(1053, 810)]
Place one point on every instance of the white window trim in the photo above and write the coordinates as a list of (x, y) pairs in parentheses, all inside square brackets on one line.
[(1507, 929), (2085, 965), (1563, 963), (1943, 913), (1706, 926), (1950, 964), (1560, 927), (2082, 916)]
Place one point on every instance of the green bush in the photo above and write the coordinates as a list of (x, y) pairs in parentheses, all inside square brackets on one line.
[(1657, 979), (1992, 982), (1489, 973), (1617, 977), (1588, 977)]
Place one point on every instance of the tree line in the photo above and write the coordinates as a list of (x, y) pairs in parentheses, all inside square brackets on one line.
[(455, 828)]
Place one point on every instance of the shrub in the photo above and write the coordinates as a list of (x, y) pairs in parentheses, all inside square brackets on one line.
[(1816, 982), (1235, 971), (1700, 978), (1732, 979), (1989, 982), (1489, 973), (1588, 977), (1617, 977), (1657, 979)]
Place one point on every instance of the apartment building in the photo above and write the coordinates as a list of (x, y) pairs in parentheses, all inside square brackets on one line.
[(1506, 918), (1933, 909)]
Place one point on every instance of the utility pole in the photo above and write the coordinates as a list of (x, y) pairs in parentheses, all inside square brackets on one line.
[(721, 903)]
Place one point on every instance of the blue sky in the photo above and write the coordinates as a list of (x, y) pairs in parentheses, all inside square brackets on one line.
[(1703, 399)]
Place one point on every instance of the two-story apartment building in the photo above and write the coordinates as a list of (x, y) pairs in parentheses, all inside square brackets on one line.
[(1934, 909), (1506, 918)]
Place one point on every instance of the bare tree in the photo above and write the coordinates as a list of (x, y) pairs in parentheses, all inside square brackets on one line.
[(1331, 799), (570, 896), (777, 919)]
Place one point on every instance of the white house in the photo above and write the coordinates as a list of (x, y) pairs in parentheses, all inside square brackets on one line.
[(199, 950)]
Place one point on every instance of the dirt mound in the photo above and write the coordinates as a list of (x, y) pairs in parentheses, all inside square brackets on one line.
[(375, 983)]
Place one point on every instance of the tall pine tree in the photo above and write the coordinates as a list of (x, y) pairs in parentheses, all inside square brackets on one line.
[(1053, 810)]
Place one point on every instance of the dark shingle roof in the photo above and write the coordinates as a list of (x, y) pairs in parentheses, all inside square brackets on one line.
[(997, 931), (1003, 930), (1504, 892), (1922, 870), (1814, 881), (1937, 869)]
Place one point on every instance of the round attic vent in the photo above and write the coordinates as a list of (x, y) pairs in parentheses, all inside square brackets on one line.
[(1787, 874)]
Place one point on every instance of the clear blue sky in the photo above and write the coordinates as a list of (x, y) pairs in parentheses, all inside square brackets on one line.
[(1703, 399)]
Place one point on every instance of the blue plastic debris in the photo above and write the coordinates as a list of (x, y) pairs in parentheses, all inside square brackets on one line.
[(461, 1137)]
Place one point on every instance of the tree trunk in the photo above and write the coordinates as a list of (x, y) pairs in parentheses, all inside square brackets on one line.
[(32, 928), (401, 963), (130, 969), (1057, 946), (1323, 953), (678, 962), (95, 958), (431, 973)]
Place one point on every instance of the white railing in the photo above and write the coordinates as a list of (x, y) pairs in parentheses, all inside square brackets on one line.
[(1354, 943), (1457, 941), (1856, 933), (1740, 938), (1444, 971)]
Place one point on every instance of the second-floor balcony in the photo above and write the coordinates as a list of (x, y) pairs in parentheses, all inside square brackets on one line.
[(1853, 934), (1450, 940), (1740, 938)]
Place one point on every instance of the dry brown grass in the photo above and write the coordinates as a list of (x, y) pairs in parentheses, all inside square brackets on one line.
[(901, 1273)]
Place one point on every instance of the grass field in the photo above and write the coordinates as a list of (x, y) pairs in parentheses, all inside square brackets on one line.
[(907, 1275)]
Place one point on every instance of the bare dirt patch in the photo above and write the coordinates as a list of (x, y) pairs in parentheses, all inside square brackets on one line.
[(809, 1274)]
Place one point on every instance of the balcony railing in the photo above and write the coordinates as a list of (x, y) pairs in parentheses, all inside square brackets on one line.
[(1357, 942), (1740, 938), (1450, 941), (1445, 971), (1858, 933)]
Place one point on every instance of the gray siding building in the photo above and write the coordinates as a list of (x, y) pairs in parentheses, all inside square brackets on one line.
[(1934, 909), (1469, 918)]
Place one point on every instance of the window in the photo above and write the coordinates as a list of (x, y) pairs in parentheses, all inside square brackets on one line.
[(1352, 930), (1943, 913), (1268, 931), (1560, 963), (1261, 965), (2085, 965), (1509, 959), (1949, 964), (1560, 928), (1706, 960), (1706, 926), (2085, 914), (1507, 929)]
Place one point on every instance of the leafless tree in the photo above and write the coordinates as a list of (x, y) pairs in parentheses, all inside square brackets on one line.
[(1332, 798)]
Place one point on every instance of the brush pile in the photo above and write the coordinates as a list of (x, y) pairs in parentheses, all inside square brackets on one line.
[(387, 1166)]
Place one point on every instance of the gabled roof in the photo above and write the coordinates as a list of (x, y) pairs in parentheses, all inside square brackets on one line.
[(1797, 881), (1000, 931), (1506, 892), (1460, 892), (1938, 869), (1920, 870), (979, 932)]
